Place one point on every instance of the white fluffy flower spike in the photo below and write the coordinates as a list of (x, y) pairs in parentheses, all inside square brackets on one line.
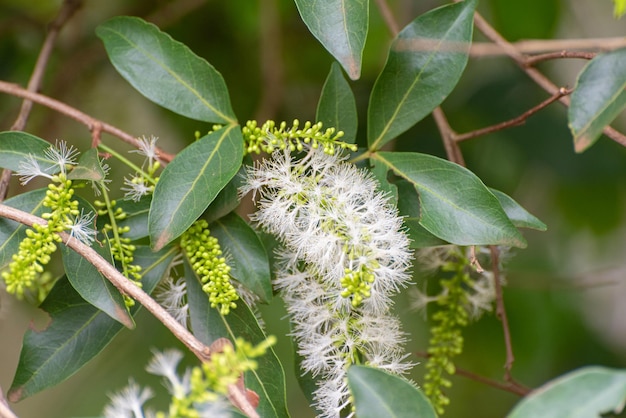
[(345, 253)]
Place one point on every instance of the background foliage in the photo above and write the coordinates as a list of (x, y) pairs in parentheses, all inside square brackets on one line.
[(564, 290)]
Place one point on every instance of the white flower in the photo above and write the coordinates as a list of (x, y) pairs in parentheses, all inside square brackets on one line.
[(136, 188), (147, 148), (82, 229), (172, 295), (29, 168), (62, 155), (165, 363), (128, 403)]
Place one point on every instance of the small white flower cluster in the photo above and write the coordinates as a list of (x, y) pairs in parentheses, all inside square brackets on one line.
[(332, 222)]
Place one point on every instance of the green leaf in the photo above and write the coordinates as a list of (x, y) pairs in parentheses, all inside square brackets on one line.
[(77, 331), (11, 232), (88, 167), (598, 98), (268, 381), (227, 199), (583, 393), (409, 208), (455, 205), (380, 395), (136, 217), (520, 217), (93, 287), (337, 107), (191, 181), (166, 71), (341, 27), (425, 62), (16, 146), (247, 257)]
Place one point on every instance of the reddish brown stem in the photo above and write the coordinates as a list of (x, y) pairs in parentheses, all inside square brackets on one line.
[(77, 115), (453, 151), (519, 120), (532, 60)]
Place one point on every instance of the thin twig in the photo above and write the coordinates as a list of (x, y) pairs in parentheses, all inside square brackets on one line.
[(519, 120), (387, 15), (85, 119), (512, 387), (536, 46), (532, 72), (5, 411), (534, 59), (501, 313), (271, 62), (68, 8), (126, 286), (453, 151)]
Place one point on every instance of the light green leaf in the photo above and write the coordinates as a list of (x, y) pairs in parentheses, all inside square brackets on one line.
[(620, 8), (268, 381), (341, 27), (598, 98), (166, 71), (584, 393), (191, 181), (246, 255), (88, 167), (16, 146), (520, 217), (77, 331), (93, 287), (454, 204), (337, 107), (425, 62), (380, 395)]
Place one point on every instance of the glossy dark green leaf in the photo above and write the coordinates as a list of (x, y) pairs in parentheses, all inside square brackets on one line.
[(409, 208), (166, 71), (520, 217), (337, 107), (246, 255), (425, 62), (341, 27), (11, 232), (77, 331), (454, 204), (268, 381), (16, 146), (598, 98), (380, 395), (93, 287), (585, 393), (191, 181), (88, 167), (227, 199)]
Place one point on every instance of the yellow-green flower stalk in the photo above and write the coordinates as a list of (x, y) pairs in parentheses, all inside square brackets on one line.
[(25, 271), (205, 257)]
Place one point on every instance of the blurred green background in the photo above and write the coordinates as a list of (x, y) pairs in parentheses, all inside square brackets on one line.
[(564, 293)]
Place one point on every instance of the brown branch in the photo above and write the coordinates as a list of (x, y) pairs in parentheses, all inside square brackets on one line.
[(5, 411), (534, 59), (532, 72), (519, 120), (387, 15), (536, 46), (68, 8), (127, 287), (453, 151), (512, 387), (271, 62), (77, 115)]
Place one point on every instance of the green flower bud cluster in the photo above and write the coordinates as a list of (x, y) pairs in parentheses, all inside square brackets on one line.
[(34, 252), (357, 285), (270, 137), (446, 339), (211, 380), (122, 249), (205, 256)]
